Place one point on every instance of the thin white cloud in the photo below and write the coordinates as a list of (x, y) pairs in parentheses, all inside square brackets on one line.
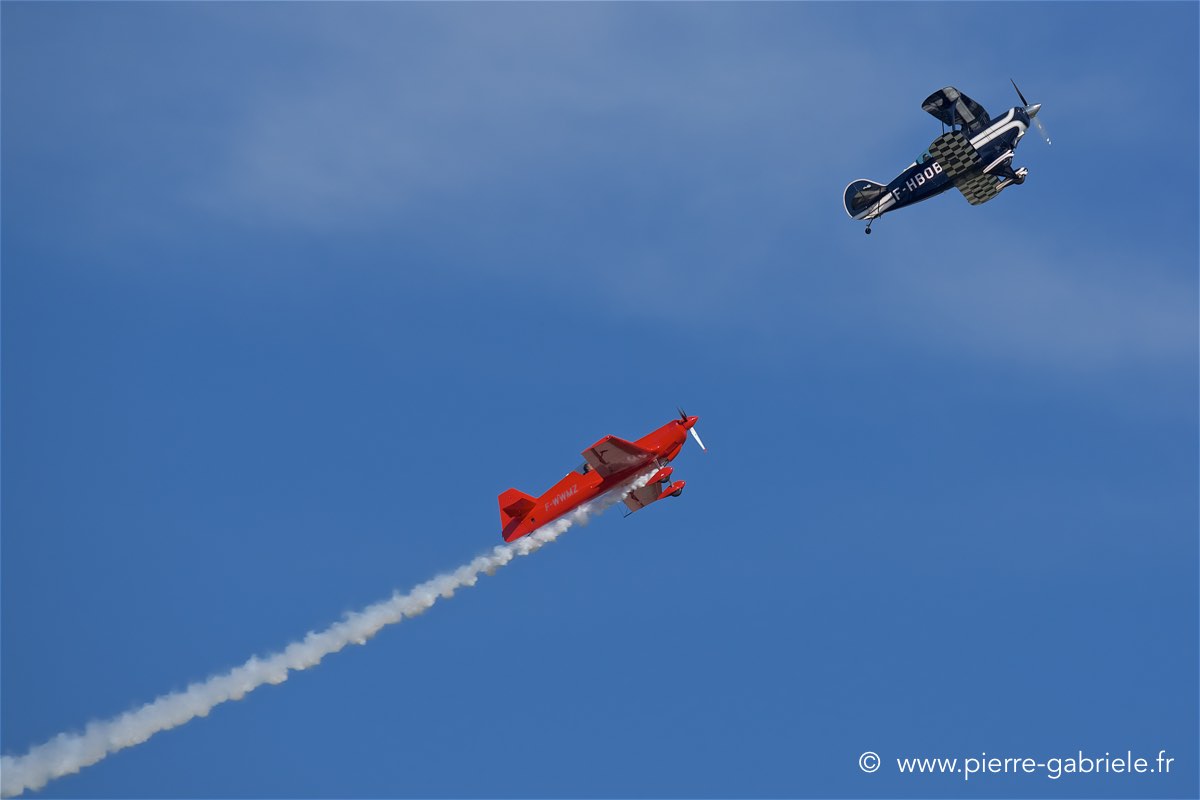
[(1042, 309), (608, 146), (485, 100)]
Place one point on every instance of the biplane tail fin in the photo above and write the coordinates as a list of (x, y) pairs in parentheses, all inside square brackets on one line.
[(861, 195), (514, 505)]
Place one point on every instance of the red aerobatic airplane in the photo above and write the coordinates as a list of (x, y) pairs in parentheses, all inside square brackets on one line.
[(607, 464)]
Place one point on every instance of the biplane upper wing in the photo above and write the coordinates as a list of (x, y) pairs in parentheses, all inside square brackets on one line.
[(953, 107), (643, 497), (611, 455)]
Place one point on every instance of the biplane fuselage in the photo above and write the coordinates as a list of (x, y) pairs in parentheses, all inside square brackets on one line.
[(990, 152), (925, 177), (608, 464)]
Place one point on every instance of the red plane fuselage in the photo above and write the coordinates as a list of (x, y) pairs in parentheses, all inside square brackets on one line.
[(525, 514)]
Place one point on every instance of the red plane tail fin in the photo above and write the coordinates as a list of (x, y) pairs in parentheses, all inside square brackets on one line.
[(514, 504)]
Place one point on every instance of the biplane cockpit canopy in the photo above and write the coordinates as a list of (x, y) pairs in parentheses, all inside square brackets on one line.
[(953, 107)]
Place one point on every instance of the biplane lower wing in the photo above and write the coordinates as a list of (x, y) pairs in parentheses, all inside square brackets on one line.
[(611, 455), (978, 189)]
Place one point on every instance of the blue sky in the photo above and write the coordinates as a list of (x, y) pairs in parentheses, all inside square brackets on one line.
[(291, 292)]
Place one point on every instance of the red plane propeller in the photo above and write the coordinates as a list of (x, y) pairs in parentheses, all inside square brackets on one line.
[(691, 428)]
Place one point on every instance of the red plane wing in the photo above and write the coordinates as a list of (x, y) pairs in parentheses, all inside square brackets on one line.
[(611, 455), (643, 496)]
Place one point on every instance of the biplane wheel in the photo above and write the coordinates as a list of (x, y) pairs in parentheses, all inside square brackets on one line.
[(676, 493), (867, 231)]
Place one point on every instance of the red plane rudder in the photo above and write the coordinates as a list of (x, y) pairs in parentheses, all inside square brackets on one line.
[(514, 505)]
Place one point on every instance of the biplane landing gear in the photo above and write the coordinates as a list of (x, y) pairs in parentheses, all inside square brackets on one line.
[(867, 230)]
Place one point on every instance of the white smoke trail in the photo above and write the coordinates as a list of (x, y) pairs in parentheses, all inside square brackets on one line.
[(68, 753)]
